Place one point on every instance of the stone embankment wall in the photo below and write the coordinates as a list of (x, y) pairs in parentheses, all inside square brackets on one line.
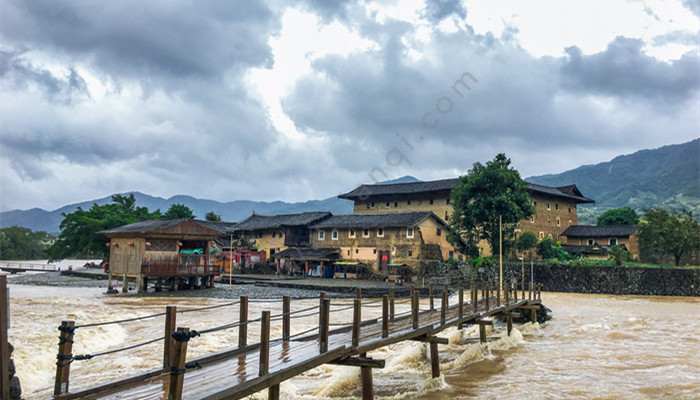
[(619, 280)]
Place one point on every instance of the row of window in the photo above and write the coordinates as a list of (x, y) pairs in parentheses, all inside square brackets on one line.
[(549, 206), (387, 204), (549, 221), (611, 242), (365, 233)]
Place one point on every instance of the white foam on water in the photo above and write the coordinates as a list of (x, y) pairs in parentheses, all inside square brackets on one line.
[(411, 358), (345, 382)]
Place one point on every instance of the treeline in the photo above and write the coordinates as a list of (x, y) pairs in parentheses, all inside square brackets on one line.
[(78, 236)]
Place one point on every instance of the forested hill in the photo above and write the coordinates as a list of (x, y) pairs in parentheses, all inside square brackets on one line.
[(668, 176)]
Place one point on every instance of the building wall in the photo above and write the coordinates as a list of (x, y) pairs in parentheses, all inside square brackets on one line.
[(264, 241), (125, 259), (406, 203), (552, 217)]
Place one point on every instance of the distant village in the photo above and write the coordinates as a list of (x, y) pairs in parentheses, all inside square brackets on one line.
[(393, 227)]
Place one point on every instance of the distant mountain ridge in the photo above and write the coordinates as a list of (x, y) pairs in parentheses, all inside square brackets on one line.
[(667, 176)]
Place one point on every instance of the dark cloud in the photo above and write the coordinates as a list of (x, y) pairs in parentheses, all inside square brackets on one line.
[(693, 5), (328, 10), (680, 37), (437, 10), (623, 70)]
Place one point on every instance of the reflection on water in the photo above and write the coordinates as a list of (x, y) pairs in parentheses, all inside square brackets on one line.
[(596, 346)]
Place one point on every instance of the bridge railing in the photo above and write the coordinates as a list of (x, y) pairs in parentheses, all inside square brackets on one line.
[(175, 339)]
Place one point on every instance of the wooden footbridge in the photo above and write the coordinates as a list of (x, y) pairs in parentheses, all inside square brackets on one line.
[(252, 367), (14, 267)]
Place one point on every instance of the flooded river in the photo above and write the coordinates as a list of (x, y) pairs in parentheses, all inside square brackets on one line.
[(604, 347)]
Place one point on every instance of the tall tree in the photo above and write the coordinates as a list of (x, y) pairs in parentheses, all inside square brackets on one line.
[(618, 216), (17, 243), (179, 211), (79, 229), (484, 194), (526, 242), (669, 233), (212, 216)]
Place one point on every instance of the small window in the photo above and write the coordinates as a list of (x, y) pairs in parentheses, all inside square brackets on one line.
[(591, 242), (259, 235), (447, 201), (549, 220), (380, 232), (410, 253), (396, 204), (348, 252), (321, 235), (549, 206), (570, 223), (273, 234), (388, 204), (408, 202), (372, 204), (368, 206), (334, 235), (612, 241), (452, 255), (447, 216), (541, 235), (409, 233), (569, 210), (460, 258), (556, 206), (357, 251), (375, 251), (439, 232), (534, 203), (558, 222), (351, 235), (532, 219), (549, 236), (365, 233), (431, 201)]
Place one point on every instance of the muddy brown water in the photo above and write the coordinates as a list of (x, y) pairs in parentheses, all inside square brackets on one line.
[(597, 346)]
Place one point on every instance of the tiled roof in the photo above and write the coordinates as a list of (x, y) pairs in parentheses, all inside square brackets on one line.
[(308, 253), (168, 226), (261, 222), (365, 191), (219, 226), (599, 231), (388, 220)]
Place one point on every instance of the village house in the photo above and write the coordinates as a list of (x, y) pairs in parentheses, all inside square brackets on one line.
[(596, 241), (384, 240), (270, 234), (555, 207), (169, 252)]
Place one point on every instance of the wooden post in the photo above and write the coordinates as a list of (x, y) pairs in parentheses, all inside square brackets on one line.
[(385, 316), (264, 344), (443, 306), (367, 384), (391, 304), (430, 293), (243, 320), (434, 359), (475, 299), (125, 283), (324, 323), (356, 320), (529, 292), (461, 306), (321, 297), (415, 306), (488, 294), (509, 322), (482, 333), (533, 315), (273, 393), (177, 367), (539, 291), (4, 344), (286, 319), (358, 293), (522, 285), (498, 294), (168, 341), (506, 293), (65, 348)]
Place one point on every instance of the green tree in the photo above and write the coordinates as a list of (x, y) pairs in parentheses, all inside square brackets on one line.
[(79, 229), (618, 216), (669, 233), (484, 194), (17, 243), (179, 211), (549, 250), (618, 254), (526, 242), (212, 216)]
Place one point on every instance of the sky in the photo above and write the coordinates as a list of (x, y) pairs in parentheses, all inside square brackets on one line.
[(300, 100)]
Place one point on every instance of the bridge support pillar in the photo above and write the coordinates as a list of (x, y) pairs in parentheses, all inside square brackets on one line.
[(273, 393), (509, 322), (434, 359), (482, 333), (125, 284), (367, 383)]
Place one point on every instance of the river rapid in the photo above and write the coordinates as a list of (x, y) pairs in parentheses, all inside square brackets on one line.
[(596, 346)]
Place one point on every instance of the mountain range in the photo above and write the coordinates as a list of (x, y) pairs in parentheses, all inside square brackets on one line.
[(667, 177)]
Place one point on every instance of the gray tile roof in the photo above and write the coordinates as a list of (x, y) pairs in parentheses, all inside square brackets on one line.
[(445, 185), (144, 226), (600, 231), (219, 226), (388, 220), (308, 253), (261, 222)]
